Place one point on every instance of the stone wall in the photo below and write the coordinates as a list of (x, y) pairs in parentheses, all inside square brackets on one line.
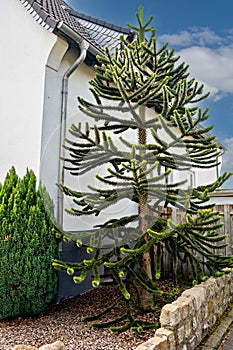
[(57, 345), (186, 321)]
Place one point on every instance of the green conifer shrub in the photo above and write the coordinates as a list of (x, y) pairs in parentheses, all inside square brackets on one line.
[(28, 282)]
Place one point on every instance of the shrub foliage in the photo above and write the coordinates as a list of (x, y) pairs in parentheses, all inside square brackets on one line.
[(28, 281)]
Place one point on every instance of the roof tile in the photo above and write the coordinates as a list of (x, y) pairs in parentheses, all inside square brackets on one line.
[(93, 30)]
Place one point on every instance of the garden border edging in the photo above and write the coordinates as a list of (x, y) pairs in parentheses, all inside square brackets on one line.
[(186, 321)]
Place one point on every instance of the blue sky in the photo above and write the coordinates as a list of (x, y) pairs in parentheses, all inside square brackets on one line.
[(202, 34)]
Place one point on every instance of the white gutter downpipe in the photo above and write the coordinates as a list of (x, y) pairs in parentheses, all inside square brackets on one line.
[(84, 45)]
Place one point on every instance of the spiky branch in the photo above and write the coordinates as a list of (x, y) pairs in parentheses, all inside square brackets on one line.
[(147, 125)]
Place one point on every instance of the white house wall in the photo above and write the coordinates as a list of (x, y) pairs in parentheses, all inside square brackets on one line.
[(77, 86), (50, 142), (25, 47)]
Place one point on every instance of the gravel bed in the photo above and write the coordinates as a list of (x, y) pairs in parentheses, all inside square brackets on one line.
[(63, 321)]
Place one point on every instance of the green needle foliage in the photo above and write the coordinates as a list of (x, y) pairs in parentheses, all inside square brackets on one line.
[(28, 282), (145, 125)]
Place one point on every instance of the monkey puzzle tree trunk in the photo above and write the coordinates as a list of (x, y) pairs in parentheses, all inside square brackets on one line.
[(146, 257), (143, 212)]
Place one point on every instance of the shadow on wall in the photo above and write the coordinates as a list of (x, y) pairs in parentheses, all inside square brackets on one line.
[(67, 288)]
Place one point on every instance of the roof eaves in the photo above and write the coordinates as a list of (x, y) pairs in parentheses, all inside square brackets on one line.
[(51, 24), (222, 192), (52, 13), (39, 14), (69, 32)]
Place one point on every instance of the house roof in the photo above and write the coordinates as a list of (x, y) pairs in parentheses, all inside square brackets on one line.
[(51, 13)]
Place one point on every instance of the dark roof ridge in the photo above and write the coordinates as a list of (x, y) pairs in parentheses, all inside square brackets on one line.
[(98, 21)]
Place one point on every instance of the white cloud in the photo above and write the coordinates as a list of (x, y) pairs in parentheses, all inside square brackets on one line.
[(205, 36), (183, 38), (194, 36), (210, 58), (212, 66), (227, 163), (227, 157)]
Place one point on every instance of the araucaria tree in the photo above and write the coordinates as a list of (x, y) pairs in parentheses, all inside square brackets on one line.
[(147, 130)]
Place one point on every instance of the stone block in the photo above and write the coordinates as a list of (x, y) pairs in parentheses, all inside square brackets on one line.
[(58, 345), (155, 343), (194, 323), (211, 285), (188, 328), (198, 293), (23, 347), (181, 334), (185, 305), (170, 315), (192, 343), (163, 332)]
